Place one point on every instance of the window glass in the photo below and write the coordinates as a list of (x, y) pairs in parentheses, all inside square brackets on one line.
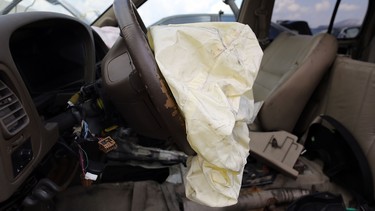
[(86, 10), (313, 16), (153, 11), (349, 18)]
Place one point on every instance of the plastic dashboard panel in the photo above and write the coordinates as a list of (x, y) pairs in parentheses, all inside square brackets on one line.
[(24, 147)]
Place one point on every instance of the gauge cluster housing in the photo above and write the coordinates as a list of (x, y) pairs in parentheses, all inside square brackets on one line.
[(41, 53)]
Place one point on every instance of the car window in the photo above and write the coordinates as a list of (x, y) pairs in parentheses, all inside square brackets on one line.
[(153, 11), (313, 16), (86, 10), (168, 12), (349, 18)]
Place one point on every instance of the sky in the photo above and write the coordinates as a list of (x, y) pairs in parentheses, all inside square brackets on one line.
[(315, 12)]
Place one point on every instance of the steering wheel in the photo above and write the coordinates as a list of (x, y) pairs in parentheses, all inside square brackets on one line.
[(133, 32)]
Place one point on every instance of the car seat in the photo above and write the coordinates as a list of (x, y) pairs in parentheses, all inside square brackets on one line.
[(291, 68), (350, 100)]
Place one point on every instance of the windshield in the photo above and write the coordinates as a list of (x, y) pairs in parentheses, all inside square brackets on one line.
[(86, 10), (154, 11)]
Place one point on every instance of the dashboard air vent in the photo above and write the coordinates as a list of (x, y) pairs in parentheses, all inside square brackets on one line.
[(13, 117)]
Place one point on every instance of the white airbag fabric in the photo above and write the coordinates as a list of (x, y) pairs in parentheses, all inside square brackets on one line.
[(210, 69)]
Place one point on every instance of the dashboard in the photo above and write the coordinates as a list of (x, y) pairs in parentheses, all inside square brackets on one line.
[(44, 58)]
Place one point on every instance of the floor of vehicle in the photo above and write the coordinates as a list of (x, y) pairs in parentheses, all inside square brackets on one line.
[(144, 195), (153, 195)]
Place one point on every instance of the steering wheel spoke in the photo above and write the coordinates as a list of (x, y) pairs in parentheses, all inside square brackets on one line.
[(134, 36)]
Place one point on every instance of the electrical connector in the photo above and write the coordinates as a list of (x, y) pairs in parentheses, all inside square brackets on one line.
[(107, 144)]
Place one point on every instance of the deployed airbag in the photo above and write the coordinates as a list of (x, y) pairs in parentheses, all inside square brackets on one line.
[(210, 69)]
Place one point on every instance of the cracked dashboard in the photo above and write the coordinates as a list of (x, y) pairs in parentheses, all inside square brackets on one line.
[(43, 59)]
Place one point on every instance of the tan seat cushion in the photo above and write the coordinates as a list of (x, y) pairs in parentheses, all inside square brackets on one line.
[(291, 68), (351, 100)]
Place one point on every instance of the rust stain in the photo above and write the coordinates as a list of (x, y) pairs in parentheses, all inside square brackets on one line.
[(174, 113), (169, 103), (250, 190)]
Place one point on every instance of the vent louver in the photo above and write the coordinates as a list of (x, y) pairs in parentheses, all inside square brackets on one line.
[(13, 117)]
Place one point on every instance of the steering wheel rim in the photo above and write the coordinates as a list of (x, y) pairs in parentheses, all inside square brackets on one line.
[(133, 32)]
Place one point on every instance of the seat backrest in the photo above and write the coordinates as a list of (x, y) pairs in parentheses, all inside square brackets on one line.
[(350, 99), (291, 68)]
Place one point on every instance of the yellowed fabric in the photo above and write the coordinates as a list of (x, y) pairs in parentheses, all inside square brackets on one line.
[(210, 69)]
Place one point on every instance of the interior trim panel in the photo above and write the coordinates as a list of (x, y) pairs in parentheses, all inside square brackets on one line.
[(39, 43)]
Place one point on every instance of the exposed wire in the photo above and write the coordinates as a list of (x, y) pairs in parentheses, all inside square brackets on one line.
[(87, 159), (81, 157), (85, 129), (81, 161), (27, 8)]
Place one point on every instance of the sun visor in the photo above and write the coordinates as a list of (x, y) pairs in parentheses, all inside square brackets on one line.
[(210, 69)]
